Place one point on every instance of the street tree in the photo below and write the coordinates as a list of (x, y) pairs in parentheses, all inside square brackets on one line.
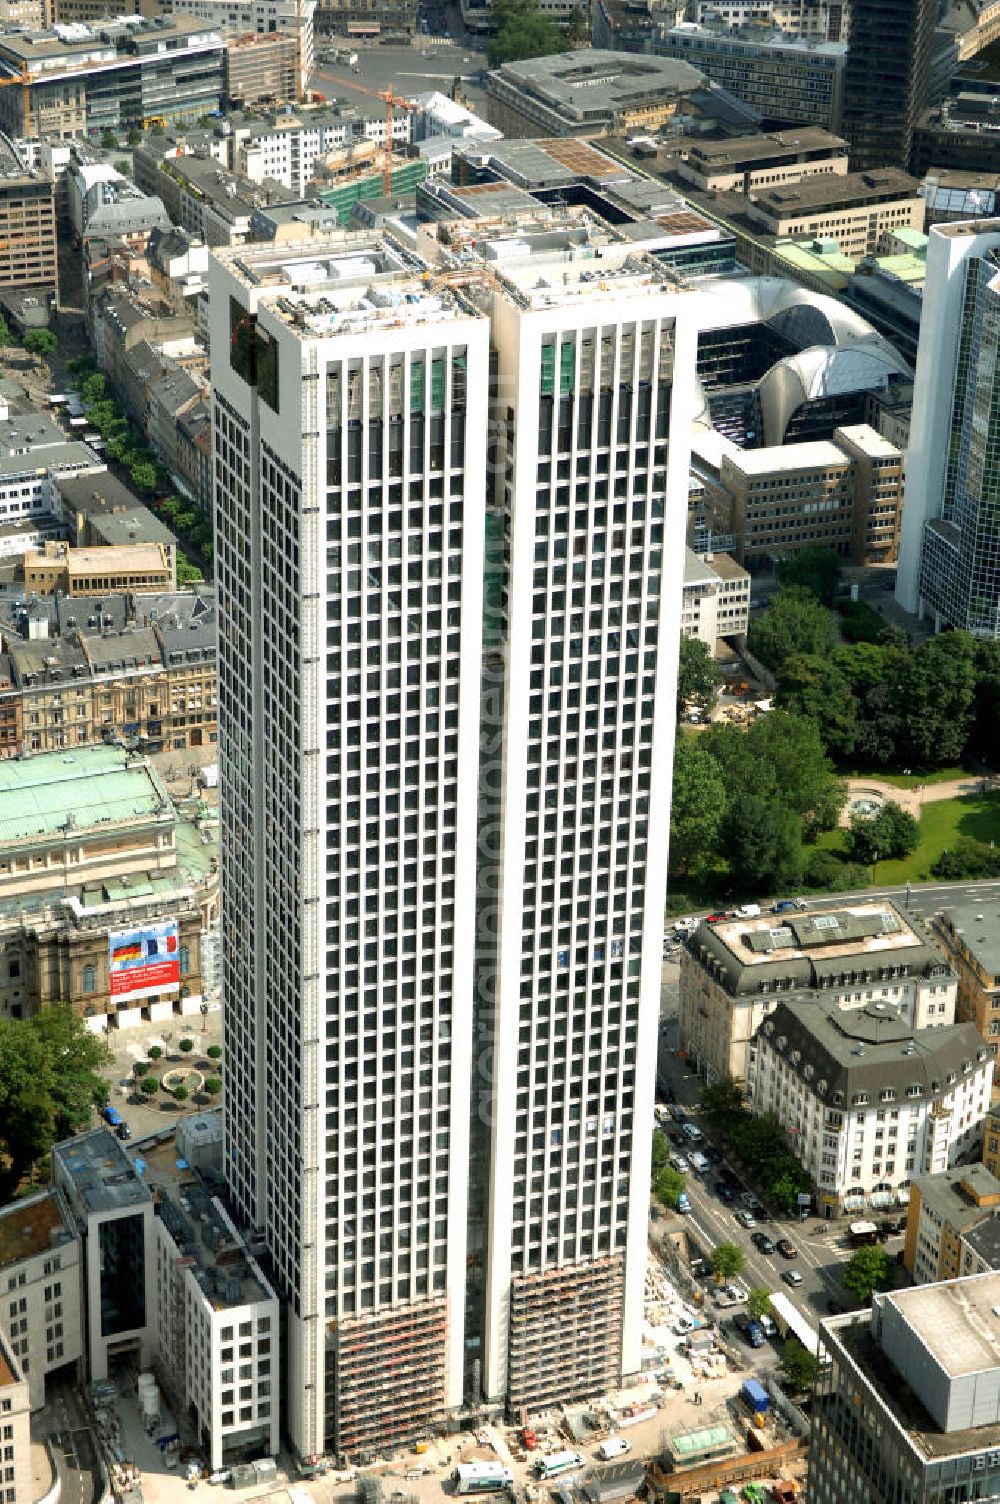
[(759, 1302), (668, 1185), (867, 1270), (726, 1260), (40, 342), (149, 1086), (144, 475), (180, 1093), (698, 676), (213, 1085), (660, 1151), (722, 1100), (798, 1365)]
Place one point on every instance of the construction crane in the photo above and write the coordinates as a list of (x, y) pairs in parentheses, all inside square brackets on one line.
[(24, 79), (392, 103)]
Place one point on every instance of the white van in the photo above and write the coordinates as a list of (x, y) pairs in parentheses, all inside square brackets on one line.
[(748, 911), (614, 1446), (698, 1161)]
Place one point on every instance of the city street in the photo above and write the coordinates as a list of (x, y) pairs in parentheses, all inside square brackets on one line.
[(921, 898), (823, 1248)]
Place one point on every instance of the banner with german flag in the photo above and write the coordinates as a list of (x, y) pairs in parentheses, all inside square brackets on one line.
[(144, 962)]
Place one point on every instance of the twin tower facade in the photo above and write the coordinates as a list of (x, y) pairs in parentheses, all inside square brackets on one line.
[(450, 517)]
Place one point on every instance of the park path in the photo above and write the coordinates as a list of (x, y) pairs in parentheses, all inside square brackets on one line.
[(913, 799)]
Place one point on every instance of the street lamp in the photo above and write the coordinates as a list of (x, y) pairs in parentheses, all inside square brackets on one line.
[(204, 1018)]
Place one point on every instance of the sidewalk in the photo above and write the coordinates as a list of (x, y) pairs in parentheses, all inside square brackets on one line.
[(147, 1115), (912, 800)]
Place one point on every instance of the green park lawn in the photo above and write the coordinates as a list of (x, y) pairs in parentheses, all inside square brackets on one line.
[(941, 823), (910, 780)]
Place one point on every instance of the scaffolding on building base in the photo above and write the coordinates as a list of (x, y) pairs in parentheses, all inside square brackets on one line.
[(387, 1373), (565, 1334)]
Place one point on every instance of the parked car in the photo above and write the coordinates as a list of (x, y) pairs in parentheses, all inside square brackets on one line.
[(123, 1131), (791, 1277), (684, 1206), (745, 1218), (679, 1163), (725, 1192), (787, 1249), (762, 1242), (769, 1325), (718, 918), (692, 1133)]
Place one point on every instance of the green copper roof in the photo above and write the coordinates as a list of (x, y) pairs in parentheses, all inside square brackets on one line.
[(93, 786)]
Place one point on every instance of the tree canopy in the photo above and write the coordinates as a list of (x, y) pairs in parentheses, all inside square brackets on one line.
[(819, 690), (795, 622), (40, 342), (816, 568), (726, 1260), (522, 31), (763, 843), (892, 832), (49, 1084), (697, 806), (759, 1302), (668, 1185), (868, 1270), (698, 675), (798, 1365)]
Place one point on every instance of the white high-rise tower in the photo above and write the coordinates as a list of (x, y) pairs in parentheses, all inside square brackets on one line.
[(445, 808)]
